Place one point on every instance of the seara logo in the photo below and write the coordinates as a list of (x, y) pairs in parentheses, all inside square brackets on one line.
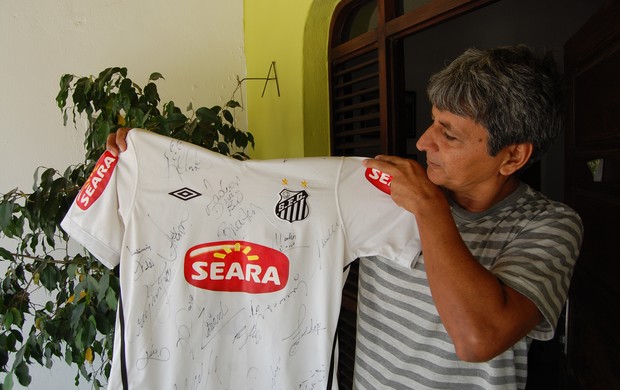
[(379, 179), (97, 181), (236, 266)]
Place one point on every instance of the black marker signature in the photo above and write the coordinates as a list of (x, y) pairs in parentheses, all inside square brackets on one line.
[(304, 328), (153, 354)]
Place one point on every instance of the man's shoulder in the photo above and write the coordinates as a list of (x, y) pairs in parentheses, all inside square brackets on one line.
[(532, 199)]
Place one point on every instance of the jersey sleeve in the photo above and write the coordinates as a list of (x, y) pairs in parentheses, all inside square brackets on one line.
[(95, 219), (373, 223), (539, 264)]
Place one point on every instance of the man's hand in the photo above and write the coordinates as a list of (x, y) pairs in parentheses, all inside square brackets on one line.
[(410, 187), (482, 315), (116, 142)]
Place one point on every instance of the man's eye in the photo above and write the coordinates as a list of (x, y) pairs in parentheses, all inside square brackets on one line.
[(448, 136)]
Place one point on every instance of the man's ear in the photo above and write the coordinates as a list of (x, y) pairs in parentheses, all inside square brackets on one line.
[(517, 156)]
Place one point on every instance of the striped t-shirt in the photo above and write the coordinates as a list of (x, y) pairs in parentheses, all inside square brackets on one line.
[(528, 241)]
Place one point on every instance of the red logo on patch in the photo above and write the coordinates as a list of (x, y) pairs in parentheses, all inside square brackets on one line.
[(97, 181), (379, 179), (236, 266)]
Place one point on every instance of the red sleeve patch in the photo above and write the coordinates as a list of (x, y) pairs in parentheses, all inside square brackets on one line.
[(379, 179), (97, 181)]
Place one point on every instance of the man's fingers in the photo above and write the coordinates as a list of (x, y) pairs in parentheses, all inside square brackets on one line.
[(121, 136), (385, 164), (386, 158), (116, 142), (374, 163), (110, 144)]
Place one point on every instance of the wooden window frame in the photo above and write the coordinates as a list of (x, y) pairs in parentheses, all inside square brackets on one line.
[(386, 40)]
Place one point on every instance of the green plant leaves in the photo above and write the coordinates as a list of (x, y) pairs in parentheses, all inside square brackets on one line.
[(155, 76), (208, 115), (77, 322), (49, 276), (13, 316), (6, 213), (22, 374)]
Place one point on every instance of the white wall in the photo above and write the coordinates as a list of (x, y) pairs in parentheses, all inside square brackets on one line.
[(196, 44)]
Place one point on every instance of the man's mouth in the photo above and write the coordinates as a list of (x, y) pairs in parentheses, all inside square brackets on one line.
[(431, 163)]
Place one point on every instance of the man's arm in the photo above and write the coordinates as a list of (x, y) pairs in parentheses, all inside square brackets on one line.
[(483, 316)]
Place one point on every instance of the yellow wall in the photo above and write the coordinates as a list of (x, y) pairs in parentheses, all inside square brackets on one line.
[(295, 35)]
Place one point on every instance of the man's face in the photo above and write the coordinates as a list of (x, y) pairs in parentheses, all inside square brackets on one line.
[(456, 154)]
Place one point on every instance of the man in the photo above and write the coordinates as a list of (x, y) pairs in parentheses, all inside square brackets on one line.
[(497, 256)]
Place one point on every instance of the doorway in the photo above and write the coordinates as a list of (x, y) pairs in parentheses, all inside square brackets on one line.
[(539, 24), (414, 57)]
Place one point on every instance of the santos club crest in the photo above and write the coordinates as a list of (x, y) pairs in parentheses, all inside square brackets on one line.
[(293, 205)]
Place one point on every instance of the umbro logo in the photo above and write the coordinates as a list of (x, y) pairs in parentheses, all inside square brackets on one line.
[(185, 193)]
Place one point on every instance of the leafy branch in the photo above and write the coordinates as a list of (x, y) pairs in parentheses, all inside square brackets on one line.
[(76, 323)]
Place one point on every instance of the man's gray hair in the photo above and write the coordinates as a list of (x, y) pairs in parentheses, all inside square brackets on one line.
[(513, 92)]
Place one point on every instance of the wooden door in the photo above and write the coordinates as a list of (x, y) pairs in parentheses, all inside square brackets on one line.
[(365, 91), (592, 67)]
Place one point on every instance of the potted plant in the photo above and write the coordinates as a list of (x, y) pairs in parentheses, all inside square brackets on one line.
[(77, 322)]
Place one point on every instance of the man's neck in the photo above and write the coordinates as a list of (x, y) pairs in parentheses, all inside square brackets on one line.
[(482, 199)]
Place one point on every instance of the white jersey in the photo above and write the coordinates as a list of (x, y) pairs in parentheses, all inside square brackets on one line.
[(231, 272)]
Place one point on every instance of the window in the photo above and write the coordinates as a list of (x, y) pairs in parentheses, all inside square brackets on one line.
[(369, 106), (371, 112)]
